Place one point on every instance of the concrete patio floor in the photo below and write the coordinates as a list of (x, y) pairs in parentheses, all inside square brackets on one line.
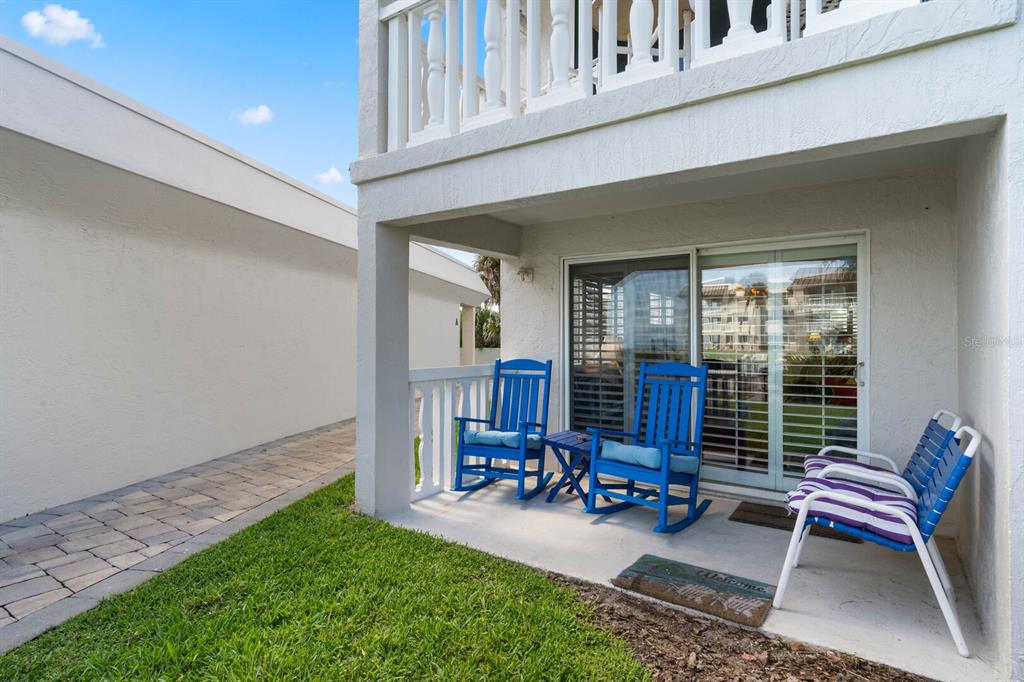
[(60, 562), (857, 598)]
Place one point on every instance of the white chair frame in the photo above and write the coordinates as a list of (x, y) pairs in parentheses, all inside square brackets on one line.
[(928, 552)]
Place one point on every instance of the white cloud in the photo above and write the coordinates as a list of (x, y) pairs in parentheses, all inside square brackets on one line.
[(255, 116), (331, 176), (60, 25)]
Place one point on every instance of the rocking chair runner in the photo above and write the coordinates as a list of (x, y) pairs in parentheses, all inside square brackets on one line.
[(665, 449), (514, 431)]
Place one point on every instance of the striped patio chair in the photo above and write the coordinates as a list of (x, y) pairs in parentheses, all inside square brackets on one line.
[(889, 519), (910, 481)]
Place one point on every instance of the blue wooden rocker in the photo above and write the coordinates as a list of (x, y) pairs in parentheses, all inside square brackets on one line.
[(665, 449), (514, 431)]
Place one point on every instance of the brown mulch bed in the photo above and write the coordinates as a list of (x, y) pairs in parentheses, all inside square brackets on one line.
[(675, 645)]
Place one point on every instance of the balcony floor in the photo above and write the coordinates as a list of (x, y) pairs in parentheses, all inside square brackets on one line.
[(860, 599)]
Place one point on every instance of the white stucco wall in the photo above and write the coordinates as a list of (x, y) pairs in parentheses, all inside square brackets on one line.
[(433, 323), (144, 329), (912, 311), (984, 348)]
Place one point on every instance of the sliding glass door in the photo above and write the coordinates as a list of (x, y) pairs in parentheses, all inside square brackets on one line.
[(779, 329), (622, 313), (779, 332)]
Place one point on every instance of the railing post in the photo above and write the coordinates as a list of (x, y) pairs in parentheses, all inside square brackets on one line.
[(427, 437), (512, 56), (492, 56), (415, 25), (813, 11), (688, 37), (585, 47), (669, 45), (641, 25), (739, 18), (608, 41), (701, 30), (470, 96), (794, 19), (451, 66), (398, 75), (560, 10), (435, 65), (533, 49)]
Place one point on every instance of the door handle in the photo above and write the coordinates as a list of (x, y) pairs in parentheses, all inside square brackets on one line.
[(860, 373)]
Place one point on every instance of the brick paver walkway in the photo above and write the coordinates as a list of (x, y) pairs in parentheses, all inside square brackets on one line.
[(61, 561)]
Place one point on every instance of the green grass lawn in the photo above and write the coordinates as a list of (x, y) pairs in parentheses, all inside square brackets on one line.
[(317, 591)]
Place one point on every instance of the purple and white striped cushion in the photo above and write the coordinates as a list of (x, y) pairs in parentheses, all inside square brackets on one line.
[(814, 464), (875, 487), (852, 514)]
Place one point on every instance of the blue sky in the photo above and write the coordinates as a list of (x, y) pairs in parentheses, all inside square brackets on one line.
[(207, 63)]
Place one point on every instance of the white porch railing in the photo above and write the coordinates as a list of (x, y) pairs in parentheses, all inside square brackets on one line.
[(436, 397), (536, 54)]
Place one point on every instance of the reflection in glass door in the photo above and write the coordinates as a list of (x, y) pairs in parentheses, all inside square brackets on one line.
[(622, 313), (779, 332)]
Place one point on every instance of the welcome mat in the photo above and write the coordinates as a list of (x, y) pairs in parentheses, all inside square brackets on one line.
[(779, 517), (727, 596)]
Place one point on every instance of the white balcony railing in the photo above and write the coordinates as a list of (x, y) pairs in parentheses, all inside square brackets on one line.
[(528, 55), (436, 397)]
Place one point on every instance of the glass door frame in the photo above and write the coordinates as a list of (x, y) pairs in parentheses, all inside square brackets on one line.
[(860, 239)]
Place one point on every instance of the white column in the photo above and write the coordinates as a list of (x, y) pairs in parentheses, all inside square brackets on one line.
[(585, 47), (560, 12), (435, 65), (794, 19), (451, 64), (739, 18), (512, 56), (607, 40), (398, 88), (415, 73), (383, 474), (467, 324), (470, 99), (533, 15), (641, 26), (492, 56)]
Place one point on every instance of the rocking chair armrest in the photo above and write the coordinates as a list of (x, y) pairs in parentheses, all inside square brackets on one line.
[(684, 444), (597, 433), (833, 471), (475, 420), (861, 453)]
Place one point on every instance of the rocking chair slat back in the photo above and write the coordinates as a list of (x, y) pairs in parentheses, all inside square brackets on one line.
[(669, 404), (517, 394)]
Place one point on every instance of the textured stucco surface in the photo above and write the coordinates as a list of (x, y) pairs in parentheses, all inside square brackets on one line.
[(984, 352), (144, 329)]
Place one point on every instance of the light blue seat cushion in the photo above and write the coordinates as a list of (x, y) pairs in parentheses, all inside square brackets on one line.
[(502, 439), (646, 457)]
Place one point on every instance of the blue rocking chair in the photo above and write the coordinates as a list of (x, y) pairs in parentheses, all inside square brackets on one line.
[(665, 449), (514, 431)]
